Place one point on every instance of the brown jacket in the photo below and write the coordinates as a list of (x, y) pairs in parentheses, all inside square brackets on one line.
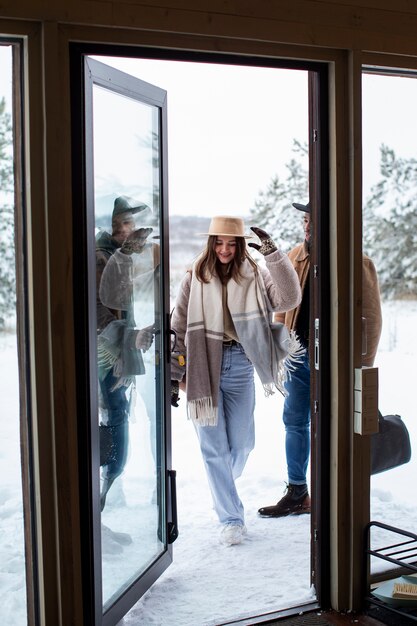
[(371, 301)]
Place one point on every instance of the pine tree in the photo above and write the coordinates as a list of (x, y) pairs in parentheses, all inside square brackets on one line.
[(273, 210), (389, 217), (7, 249), (390, 226)]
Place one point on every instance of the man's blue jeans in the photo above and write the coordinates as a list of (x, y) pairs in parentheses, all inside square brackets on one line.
[(226, 447), (114, 434), (296, 417)]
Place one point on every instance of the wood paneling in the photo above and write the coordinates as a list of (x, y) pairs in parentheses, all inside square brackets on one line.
[(363, 25)]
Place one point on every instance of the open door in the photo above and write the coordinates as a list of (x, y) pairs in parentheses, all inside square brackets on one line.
[(122, 299)]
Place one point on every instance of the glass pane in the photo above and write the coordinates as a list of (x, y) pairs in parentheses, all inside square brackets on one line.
[(127, 210), (390, 239), (12, 561)]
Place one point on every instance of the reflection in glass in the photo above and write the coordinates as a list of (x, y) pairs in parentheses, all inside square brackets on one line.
[(12, 549), (126, 177)]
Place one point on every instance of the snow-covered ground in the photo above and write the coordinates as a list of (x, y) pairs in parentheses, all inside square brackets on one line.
[(208, 583)]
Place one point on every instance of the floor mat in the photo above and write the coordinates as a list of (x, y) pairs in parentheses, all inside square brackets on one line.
[(390, 618)]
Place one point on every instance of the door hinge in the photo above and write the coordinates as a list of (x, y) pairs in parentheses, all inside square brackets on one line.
[(315, 535), (315, 271), (315, 134), (316, 406)]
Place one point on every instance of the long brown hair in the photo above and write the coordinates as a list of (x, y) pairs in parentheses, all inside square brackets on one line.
[(209, 265)]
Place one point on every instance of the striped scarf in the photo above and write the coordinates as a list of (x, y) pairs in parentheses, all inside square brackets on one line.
[(270, 347)]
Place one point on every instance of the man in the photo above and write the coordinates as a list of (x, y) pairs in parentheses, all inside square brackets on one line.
[(296, 413), (119, 344)]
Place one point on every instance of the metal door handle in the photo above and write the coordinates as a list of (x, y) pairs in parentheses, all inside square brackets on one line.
[(173, 524)]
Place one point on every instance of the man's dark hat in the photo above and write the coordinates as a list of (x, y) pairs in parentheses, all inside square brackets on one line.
[(125, 204), (302, 207)]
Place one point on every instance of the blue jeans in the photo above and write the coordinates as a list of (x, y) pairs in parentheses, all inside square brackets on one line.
[(226, 446), (296, 417), (114, 434)]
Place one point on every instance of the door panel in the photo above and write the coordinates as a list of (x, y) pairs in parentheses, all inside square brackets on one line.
[(125, 189)]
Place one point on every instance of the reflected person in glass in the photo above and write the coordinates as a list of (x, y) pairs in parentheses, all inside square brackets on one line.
[(119, 344)]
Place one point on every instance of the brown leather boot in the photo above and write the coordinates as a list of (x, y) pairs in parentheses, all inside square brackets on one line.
[(295, 502)]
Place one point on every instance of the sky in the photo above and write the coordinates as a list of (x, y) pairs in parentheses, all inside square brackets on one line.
[(388, 120), (230, 129), (208, 583)]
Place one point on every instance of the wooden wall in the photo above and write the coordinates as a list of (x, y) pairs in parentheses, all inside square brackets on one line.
[(369, 25)]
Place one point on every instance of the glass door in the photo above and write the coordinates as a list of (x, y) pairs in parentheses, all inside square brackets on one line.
[(390, 290), (132, 486)]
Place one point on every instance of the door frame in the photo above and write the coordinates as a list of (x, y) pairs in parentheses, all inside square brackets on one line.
[(48, 186), (320, 344), (320, 575)]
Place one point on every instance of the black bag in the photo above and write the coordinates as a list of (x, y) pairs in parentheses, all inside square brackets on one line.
[(390, 446)]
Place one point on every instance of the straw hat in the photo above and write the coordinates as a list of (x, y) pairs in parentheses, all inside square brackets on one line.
[(227, 227)]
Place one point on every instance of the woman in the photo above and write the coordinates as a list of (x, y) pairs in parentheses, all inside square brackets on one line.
[(222, 324)]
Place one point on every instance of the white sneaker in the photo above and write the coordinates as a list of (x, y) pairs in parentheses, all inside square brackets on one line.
[(232, 534)]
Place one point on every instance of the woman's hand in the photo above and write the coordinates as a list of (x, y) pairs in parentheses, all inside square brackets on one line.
[(267, 243)]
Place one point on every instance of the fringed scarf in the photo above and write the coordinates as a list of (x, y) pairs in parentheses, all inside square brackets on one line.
[(116, 349), (270, 347)]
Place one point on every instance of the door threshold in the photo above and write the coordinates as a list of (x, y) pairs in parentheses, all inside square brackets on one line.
[(268, 618)]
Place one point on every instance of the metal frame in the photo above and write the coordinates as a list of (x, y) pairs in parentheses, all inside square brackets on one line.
[(397, 553), (91, 71)]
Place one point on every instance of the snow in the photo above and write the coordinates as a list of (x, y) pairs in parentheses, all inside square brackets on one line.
[(208, 583)]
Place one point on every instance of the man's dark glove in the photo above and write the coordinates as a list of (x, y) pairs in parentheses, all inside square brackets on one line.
[(175, 392), (267, 244), (136, 241)]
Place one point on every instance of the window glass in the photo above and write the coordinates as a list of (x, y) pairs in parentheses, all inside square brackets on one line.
[(127, 215), (390, 240), (12, 553)]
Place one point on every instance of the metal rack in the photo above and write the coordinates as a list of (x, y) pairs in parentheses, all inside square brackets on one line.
[(403, 554)]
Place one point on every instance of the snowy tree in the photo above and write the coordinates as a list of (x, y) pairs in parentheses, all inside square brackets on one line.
[(389, 217), (7, 254), (390, 226), (273, 210)]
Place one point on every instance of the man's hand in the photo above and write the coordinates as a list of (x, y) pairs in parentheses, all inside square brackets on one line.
[(144, 338), (136, 241), (267, 244), (177, 366)]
